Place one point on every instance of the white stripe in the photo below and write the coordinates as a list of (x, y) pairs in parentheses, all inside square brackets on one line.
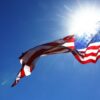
[(27, 70), (88, 51), (94, 44), (17, 79), (21, 61), (91, 51), (43, 55), (89, 57), (82, 50), (68, 44), (19, 75)]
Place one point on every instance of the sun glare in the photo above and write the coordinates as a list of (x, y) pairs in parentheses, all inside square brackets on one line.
[(84, 21)]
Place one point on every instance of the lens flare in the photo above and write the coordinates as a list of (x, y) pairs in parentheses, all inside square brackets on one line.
[(84, 21)]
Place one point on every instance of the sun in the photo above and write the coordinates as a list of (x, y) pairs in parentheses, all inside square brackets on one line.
[(84, 21)]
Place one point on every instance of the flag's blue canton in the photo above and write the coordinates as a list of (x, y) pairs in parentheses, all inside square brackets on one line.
[(96, 38), (81, 43)]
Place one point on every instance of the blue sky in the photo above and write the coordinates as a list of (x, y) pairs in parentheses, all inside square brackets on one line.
[(27, 23)]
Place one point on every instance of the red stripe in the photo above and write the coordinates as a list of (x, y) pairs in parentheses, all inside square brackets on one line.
[(92, 54), (22, 73), (69, 40), (87, 61), (93, 47), (90, 48)]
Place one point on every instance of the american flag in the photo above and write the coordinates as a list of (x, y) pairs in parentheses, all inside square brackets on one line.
[(84, 50), (88, 51)]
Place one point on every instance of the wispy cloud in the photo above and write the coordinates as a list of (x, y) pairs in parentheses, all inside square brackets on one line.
[(4, 82)]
